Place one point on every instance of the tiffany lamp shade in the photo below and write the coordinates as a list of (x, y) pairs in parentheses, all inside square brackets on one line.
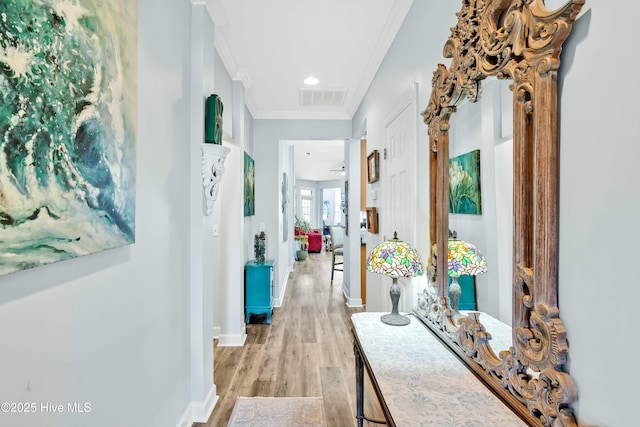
[(463, 258), (395, 258)]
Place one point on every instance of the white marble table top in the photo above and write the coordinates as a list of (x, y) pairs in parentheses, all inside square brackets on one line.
[(422, 382)]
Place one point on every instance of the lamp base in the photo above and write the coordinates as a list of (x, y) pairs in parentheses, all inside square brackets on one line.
[(454, 292), (395, 319)]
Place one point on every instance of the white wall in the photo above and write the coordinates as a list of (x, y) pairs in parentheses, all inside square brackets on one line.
[(599, 203), (351, 285), (289, 246), (230, 252), (284, 254), (233, 238), (114, 329), (250, 229)]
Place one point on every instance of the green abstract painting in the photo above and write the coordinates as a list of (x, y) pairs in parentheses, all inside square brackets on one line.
[(464, 184), (249, 186), (68, 80)]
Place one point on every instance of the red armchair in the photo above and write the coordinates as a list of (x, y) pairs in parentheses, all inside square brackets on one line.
[(315, 241)]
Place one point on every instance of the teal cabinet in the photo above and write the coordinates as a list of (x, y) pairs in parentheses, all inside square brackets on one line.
[(258, 289), (468, 296)]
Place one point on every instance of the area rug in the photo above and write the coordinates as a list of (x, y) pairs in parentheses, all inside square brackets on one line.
[(278, 412)]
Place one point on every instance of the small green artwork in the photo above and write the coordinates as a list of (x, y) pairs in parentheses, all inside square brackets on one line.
[(249, 186), (464, 184)]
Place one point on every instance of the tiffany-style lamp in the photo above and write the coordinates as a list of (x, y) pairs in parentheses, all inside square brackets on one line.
[(395, 258), (464, 258)]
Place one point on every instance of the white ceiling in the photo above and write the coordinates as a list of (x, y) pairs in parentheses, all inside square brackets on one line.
[(319, 160), (273, 45)]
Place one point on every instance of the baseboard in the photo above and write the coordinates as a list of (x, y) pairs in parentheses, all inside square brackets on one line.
[(216, 331), (351, 302), (277, 302), (236, 340), (199, 412), (354, 302)]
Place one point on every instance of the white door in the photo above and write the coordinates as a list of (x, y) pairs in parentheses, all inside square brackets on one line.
[(397, 171)]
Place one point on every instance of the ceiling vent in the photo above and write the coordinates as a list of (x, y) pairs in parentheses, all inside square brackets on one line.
[(322, 97)]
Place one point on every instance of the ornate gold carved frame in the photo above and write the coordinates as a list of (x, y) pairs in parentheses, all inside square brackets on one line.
[(519, 40)]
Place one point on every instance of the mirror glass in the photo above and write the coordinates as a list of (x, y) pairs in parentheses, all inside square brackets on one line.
[(481, 133)]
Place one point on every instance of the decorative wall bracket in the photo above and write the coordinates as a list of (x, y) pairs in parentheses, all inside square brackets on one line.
[(213, 157)]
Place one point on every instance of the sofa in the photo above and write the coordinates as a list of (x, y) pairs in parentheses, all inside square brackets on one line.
[(314, 238)]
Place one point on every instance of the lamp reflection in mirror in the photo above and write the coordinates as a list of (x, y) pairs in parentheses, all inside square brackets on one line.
[(395, 258), (463, 258)]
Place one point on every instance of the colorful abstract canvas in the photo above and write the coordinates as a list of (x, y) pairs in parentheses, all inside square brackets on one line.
[(68, 79), (249, 186), (464, 184)]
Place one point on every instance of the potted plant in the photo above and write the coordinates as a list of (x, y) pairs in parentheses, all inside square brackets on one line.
[(302, 225), (301, 229)]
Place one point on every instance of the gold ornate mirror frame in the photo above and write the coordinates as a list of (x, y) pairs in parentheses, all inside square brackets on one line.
[(519, 40)]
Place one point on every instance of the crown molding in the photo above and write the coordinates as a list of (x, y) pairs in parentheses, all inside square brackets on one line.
[(394, 22), (243, 75), (225, 53), (251, 106), (216, 12)]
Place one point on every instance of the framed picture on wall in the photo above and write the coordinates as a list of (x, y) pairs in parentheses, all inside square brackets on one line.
[(345, 208), (372, 220), (249, 186), (285, 207), (69, 86), (373, 171), (464, 184)]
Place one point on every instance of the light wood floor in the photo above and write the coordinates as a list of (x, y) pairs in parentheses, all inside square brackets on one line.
[(306, 351)]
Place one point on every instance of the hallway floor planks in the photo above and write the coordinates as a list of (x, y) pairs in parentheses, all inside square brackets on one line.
[(306, 351)]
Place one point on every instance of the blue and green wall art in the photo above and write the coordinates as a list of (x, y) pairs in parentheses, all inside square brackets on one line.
[(249, 186), (464, 184), (68, 80)]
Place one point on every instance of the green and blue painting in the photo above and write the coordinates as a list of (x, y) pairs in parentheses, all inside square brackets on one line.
[(464, 184), (249, 186), (68, 79)]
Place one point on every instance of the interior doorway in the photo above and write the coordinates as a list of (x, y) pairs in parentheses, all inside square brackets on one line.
[(331, 209)]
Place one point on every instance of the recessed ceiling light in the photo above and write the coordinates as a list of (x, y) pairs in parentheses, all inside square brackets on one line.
[(311, 81)]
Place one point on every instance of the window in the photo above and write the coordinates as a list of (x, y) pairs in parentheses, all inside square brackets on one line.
[(306, 202)]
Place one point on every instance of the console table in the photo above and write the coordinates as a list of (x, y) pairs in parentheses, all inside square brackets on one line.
[(418, 381), (258, 284)]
